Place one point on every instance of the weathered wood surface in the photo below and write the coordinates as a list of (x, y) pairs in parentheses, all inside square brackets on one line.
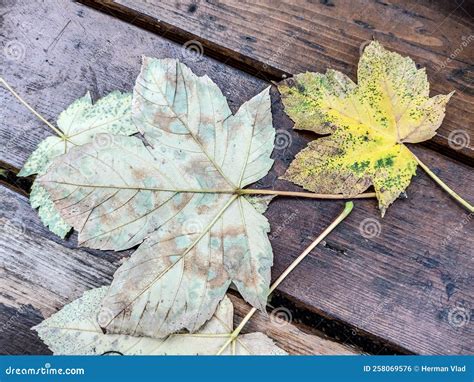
[(400, 288), (295, 339), (39, 276), (60, 53), (275, 38)]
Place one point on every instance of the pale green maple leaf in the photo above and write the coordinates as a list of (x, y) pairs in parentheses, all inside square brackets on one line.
[(80, 123), (75, 330), (179, 194)]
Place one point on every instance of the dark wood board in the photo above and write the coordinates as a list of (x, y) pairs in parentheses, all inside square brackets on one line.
[(68, 50), (39, 276), (275, 38), (295, 339), (399, 288)]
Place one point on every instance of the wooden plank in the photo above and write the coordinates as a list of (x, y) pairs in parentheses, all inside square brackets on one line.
[(408, 283), (399, 288), (57, 55), (40, 275), (295, 339), (274, 39)]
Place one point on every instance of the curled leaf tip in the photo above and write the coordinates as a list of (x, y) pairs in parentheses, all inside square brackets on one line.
[(348, 207)]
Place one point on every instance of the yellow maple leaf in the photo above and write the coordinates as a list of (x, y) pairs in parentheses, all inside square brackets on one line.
[(368, 125)]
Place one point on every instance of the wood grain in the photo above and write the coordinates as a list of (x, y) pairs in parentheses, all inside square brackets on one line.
[(39, 276), (415, 270), (295, 339), (272, 39), (63, 53), (399, 288)]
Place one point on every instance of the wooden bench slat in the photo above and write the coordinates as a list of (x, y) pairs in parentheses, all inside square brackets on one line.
[(66, 52), (398, 288), (295, 339), (39, 276), (271, 39)]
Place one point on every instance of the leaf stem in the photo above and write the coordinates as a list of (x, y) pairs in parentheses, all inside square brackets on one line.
[(444, 186), (311, 195), (237, 192), (39, 116), (203, 335), (279, 280)]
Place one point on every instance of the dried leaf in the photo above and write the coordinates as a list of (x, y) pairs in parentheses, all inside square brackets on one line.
[(80, 123), (179, 195), (75, 330), (368, 122)]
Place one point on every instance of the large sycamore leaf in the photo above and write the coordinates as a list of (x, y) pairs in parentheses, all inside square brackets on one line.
[(368, 122), (75, 330), (179, 195), (80, 123)]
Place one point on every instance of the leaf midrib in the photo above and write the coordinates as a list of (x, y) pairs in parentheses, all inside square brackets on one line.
[(157, 189)]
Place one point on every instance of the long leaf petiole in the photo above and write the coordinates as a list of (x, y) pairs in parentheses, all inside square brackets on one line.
[(279, 280), (311, 195), (444, 186), (27, 105)]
